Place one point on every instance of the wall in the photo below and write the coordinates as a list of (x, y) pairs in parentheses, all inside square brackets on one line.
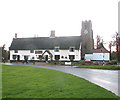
[(101, 56), (64, 53), (98, 56)]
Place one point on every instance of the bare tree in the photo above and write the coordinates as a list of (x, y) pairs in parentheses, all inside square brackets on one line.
[(99, 39), (4, 54), (100, 42), (111, 44), (116, 43)]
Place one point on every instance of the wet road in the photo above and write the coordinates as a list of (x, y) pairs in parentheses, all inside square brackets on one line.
[(107, 79)]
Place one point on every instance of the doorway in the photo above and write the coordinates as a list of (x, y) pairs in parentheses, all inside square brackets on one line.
[(18, 57), (46, 57)]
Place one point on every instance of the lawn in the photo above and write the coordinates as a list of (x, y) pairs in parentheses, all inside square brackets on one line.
[(92, 65), (108, 67), (32, 82)]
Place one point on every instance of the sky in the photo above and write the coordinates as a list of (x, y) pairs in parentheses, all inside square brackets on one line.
[(29, 18)]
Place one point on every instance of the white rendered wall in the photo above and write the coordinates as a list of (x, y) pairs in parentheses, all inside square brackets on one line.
[(101, 56), (97, 56), (64, 53), (23, 53), (88, 56)]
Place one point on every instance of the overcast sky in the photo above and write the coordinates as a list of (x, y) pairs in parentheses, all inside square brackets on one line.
[(38, 17)]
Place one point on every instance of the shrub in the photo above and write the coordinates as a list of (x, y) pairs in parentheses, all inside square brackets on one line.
[(82, 62), (62, 63), (113, 62), (89, 62), (23, 61), (75, 63), (96, 63)]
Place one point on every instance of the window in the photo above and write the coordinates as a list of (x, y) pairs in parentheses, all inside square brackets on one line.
[(16, 51), (40, 57), (65, 57), (38, 52), (25, 57), (56, 49), (62, 56), (14, 57), (72, 49), (85, 26), (57, 57), (102, 50), (71, 57), (31, 51)]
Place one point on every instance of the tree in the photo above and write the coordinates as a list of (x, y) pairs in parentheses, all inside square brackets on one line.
[(116, 39), (4, 54), (99, 42), (111, 44)]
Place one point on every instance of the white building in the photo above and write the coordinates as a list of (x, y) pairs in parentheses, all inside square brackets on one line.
[(46, 48), (98, 55), (54, 48)]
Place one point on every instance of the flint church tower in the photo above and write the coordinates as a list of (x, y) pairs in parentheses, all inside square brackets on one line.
[(87, 38)]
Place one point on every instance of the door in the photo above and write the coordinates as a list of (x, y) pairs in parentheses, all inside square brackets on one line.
[(18, 57), (46, 58)]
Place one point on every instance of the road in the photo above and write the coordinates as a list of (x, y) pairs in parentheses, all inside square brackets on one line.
[(107, 79)]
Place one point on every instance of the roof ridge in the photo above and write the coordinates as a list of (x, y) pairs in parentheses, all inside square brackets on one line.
[(44, 37)]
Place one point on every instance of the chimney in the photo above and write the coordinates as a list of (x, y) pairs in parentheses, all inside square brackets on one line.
[(15, 35), (52, 35)]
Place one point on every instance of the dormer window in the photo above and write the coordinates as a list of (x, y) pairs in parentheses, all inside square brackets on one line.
[(16, 51), (56, 49), (72, 49), (38, 52), (31, 51)]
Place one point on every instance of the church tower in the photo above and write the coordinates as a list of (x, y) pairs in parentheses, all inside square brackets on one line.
[(87, 38)]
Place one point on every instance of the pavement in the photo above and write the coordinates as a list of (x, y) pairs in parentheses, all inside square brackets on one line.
[(107, 79)]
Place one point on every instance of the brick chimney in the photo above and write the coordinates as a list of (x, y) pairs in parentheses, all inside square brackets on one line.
[(15, 35), (52, 34)]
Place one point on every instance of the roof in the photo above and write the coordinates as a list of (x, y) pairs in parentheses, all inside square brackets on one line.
[(45, 43), (101, 50)]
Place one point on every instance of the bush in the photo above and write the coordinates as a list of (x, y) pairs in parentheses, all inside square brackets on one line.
[(62, 63), (23, 61), (96, 63), (75, 63), (113, 62), (89, 62), (82, 62)]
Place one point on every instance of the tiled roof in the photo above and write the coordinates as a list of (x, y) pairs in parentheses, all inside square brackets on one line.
[(101, 50)]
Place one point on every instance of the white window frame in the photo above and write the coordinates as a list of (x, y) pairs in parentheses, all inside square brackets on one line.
[(73, 49), (55, 49)]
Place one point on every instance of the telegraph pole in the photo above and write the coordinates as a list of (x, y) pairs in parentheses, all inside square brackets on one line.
[(117, 45)]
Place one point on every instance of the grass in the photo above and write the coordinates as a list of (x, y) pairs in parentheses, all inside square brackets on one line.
[(96, 65), (32, 82), (108, 67)]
